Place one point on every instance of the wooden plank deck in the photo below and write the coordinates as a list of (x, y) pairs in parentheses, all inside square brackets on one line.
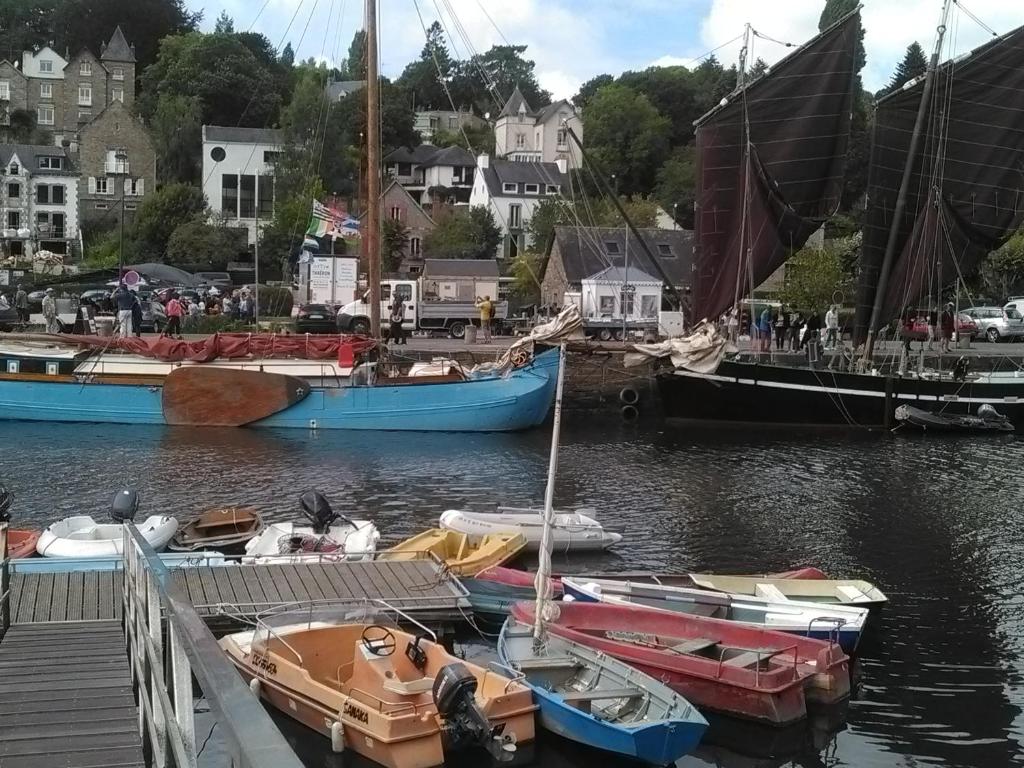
[(66, 695), (418, 587)]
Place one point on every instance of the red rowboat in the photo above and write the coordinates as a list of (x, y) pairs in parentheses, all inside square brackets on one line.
[(21, 543), (719, 665), (514, 577)]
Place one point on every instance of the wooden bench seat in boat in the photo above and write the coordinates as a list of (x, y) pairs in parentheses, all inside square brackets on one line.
[(770, 592), (560, 662), (598, 694), (695, 645), (748, 659)]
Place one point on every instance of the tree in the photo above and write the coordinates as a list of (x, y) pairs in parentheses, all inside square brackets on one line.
[(589, 88), (525, 270), (22, 129), (161, 213), (487, 80), (626, 136), (1003, 271), (195, 242), (177, 134), (461, 234), (224, 25), (353, 67), (813, 277), (549, 213), (677, 185), (232, 84), (397, 116), (24, 24), (711, 83), (671, 91), (476, 139), (912, 65), (425, 79), (642, 211), (287, 57), (394, 237)]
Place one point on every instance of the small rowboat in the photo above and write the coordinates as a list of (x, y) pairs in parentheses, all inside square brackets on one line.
[(594, 699), (21, 543), (862, 594), (463, 554), (221, 529), (82, 536), (494, 591), (571, 532), (987, 420), (836, 623), (719, 665)]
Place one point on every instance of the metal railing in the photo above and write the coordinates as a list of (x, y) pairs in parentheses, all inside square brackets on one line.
[(5, 582), (162, 674)]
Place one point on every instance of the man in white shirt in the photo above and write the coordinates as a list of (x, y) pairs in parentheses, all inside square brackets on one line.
[(831, 326)]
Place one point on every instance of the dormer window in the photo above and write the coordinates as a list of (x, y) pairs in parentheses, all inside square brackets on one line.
[(551, 189), (532, 189), (664, 249), (51, 163), (14, 170), (509, 187), (46, 65), (85, 69), (117, 73), (611, 247)]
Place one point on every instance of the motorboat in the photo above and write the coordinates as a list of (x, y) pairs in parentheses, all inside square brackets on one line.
[(394, 697), (594, 699), (222, 529), (21, 543), (836, 623), (854, 592), (463, 554), (494, 591), (720, 665), (324, 537), (575, 531)]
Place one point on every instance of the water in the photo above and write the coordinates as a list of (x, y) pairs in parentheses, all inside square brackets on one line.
[(934, 522)]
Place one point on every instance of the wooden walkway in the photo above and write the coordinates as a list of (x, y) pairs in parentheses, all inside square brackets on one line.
[(66, 698), (420, 588)]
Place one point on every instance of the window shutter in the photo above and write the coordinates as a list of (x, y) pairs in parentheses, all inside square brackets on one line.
[(92, 185), (140, 187), (127, 186)]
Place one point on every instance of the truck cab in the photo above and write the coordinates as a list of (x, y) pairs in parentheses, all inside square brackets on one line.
[(354, 317)]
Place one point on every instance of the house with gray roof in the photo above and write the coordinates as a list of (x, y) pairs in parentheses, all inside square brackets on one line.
[(340, 89), (433, 175), (511, 191), (431, 121), (38, 200), (526, 135)]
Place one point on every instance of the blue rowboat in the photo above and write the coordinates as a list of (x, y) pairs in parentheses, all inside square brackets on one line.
[(493, 600), (500, 402), (840, 624), (591, 698)]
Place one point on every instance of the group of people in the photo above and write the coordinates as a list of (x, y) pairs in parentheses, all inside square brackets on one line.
[(792, 331), (20, 303), (941, 326), (396, 319)]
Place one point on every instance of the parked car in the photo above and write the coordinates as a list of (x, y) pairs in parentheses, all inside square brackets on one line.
[(996, 323), (154, 317), (220, 280), (966, 328), (315, 318)]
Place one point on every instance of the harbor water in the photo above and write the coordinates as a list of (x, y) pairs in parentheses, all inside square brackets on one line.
[(936, 523)]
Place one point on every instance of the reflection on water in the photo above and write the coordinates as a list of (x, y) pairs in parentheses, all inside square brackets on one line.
[(934, 522)]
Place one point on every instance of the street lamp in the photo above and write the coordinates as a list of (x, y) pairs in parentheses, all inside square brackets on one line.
[(121, 170)]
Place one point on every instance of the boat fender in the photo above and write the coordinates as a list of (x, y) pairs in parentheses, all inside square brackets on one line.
[(629, 396), (255, 686), (630, 413), (5, 505), (337, 737)]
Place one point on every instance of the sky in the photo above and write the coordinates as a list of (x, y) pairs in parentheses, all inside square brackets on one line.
[(574, 40)]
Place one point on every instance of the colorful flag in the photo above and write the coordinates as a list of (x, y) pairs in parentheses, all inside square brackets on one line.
[(332, 222)]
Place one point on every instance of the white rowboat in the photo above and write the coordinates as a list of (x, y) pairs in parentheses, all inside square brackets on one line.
[(82, 536), (571, 532), (831, 591)]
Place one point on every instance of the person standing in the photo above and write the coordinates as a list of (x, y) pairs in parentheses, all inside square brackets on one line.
[(21, 304), (765, 328), (781, 328), (397, 332), (50, 312), (123, 302), (136, 314), (794, 332), (174, 314), (831, 327), (933, 321), (485, 306), (734, 325), (946, 326)]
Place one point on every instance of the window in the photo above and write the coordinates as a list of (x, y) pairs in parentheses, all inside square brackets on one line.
[(648, 306), (48, 194), (84, 117), (664, 249), (115, 164), (247, 197), (51, 224), (453, 123), (395, 213), (117, 73), (561, 138), (627, 295), (551, 189), (403, 291), (85, 95), (611, 247), (13, 219), (130, 206), (51, 162), (44, 114), (229, 195), (405, 169), (532, 189), (15, 170), (134, 187), (117, 94), (270, 156), (5, 90), (85, 68), (100, 186), (606, 305), (520, 141), (14, 190), (510, 187), (433, 123), (46, 65), (414, 246), (46, 90), (515, 216), (101, 206), (266, 195)]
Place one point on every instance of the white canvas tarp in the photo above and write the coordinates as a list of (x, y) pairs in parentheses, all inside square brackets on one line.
[(701, 351)]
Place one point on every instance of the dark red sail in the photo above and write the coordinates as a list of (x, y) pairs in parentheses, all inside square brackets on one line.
[(966, 190), (799, 118)]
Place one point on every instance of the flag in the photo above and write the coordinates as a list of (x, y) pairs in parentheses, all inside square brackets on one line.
[(326, 221)]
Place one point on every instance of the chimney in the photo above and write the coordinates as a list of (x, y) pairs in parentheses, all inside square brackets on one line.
[(483, 161), (563, 165)]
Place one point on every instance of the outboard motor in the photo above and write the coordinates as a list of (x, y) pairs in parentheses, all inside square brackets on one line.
[(316, 507), (5, 504), (464, 723), (125, 505), (960, 369)]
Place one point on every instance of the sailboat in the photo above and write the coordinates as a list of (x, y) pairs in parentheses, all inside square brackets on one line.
[(948, 144), (582, 694)]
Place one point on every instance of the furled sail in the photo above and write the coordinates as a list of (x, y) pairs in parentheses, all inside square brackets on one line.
[(966, 189), (799, 126)]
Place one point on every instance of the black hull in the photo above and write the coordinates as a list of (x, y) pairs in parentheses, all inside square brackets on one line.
[(753, 393)]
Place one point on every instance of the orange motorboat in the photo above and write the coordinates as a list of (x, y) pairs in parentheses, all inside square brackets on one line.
[(396, 698), (21, 543)]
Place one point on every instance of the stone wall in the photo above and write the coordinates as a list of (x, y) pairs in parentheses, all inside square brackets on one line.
[(555, 283), (114, 128), (75, 114)]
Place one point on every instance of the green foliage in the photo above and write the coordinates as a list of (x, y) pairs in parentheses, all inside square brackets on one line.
[(281, 238), (526, 269), (1003, 272), (233, 85), (550, 212), (396, 114), (475, 139), (677, 185), (813, 277), (177, 131), (461, 234), (833, 11), (23, 129), (589, 88), (626, 136), (275, 301), (913, 64), (101, 250), (24, 24), (420, 78), (506, 68), (160, 215), (196, 242), (287, 57), (224, 25), (394, 236), (670, 90), (353, 67), (642, 211)]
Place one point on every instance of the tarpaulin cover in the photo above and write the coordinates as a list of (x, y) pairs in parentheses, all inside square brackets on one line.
[(966, 189), (799, 118), (227, 346)]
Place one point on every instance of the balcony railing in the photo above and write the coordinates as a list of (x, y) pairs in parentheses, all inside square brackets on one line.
[(117, 167), (48, 232)]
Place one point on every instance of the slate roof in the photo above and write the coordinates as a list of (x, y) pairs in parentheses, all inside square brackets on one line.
[(501, 171), (546, 113), (29, 155), (515, 101), (118, 49), (584, 251), (460, 268), (229, 134), (338, 88), (623, 275), (427, 155)]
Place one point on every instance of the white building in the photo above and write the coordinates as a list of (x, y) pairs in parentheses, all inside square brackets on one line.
[(428, 122), (45, 63), (621, 293), (38, 200), (512, 190), (527, 136), (429, 173), (238, 173)]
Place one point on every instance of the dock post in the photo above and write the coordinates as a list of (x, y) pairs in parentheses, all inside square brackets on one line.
[(5, 582)]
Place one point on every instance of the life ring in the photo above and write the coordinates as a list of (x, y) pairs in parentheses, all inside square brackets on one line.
[(629, 396), (630, 413), (519, 357)]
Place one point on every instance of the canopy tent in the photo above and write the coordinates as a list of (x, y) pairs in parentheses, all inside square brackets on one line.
[(165, 273)]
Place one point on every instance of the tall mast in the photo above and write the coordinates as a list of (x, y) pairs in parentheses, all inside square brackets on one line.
[(901, 198), (373, 167)]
